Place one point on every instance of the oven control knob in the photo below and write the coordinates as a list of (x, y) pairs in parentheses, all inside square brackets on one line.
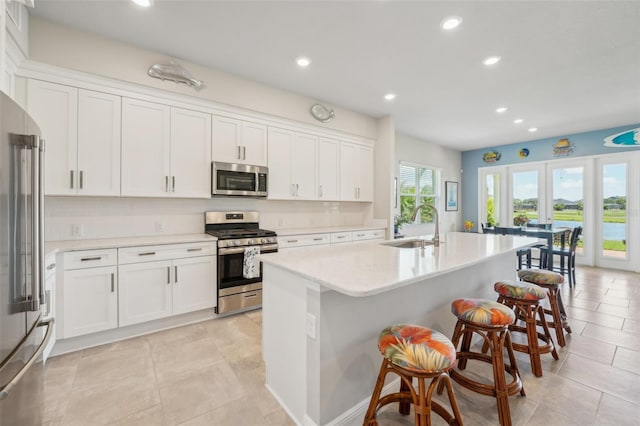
[(251, 242)]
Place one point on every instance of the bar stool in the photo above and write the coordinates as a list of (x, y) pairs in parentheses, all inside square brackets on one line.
[(552, 282), (524, 298), (491, 321), (413, 351)]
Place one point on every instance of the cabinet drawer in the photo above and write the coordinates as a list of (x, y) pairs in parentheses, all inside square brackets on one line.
[(90, 259), (341, 237), (164, 252), (303, 240), (372, 234)]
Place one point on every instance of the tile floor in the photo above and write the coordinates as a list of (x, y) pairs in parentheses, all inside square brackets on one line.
[(211, 373)]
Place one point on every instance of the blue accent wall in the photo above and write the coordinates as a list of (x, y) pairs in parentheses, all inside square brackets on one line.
[(584, 144)]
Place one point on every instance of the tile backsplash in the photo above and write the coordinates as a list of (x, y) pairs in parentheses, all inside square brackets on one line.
[(69, 218)]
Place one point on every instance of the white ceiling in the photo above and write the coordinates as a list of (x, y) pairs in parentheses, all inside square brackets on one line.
[(566, 67)]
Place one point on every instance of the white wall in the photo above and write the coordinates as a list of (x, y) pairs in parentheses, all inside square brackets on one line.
[(133, 217), (449, 161)]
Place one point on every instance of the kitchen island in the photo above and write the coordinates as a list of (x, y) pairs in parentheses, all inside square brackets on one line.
[(323, 308)]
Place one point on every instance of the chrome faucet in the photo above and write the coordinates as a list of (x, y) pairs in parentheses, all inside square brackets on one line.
[(436, 235)]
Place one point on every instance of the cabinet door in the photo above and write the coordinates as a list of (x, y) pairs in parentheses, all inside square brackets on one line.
[(303, 166), (190, 153), (98, 143), (280, 154), (254, 144), (348, 172), (145, 292), (194, 285), (365, 173), (55, 109), (90, 302), (145, 148), (328, 167), (226, 139)]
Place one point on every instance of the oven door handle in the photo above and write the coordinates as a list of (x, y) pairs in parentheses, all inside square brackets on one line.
[(268, 248)]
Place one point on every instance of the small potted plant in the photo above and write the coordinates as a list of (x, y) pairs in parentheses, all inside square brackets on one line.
[(521, 220), (468, 225), (398, 221)]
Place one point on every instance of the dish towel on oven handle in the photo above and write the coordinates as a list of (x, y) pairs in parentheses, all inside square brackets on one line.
[(251, 264)]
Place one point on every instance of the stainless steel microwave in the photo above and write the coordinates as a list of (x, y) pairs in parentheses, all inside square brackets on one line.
[(238, 179)]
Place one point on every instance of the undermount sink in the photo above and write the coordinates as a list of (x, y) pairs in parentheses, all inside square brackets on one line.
[(408, 243)]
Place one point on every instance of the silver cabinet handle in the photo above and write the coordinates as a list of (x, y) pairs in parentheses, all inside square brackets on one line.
[(113, 280), (340, 237), (168, 274), (81, 179), (175, 274), (293, 189), (251, 296), (359, 235), (149, 253), (71, 179), (195, 249), (292, 241), (87, 259), (320, 191), (317, 239), (239, 156), (297, 188), (4, 391), (173, 184), (51, 266), (166, 184), (355, 193), (244, 152)]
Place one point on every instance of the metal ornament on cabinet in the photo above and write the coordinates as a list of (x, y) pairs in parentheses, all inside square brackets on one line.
[(176, 73), (322, 113)]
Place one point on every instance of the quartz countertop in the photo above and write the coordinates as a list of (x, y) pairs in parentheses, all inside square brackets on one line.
[(372, 268), (326, 229), (71, 245)]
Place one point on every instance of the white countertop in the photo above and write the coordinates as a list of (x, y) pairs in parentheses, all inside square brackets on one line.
[(326, 229), (372, 268), (71, 245)]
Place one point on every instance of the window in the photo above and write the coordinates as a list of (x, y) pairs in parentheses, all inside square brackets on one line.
[(418, 185)]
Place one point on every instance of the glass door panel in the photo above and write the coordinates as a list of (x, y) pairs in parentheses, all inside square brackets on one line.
[(491, 216), (613, 217), (567, 199), (525, 195)]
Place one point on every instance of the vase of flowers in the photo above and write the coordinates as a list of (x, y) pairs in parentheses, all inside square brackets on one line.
[(521, 220), (468, 225)]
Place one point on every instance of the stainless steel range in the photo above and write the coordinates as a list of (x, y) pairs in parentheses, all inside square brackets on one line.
[(238, 234)]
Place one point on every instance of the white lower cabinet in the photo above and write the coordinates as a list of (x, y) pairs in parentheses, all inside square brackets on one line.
[(90, 300), (160, 288), (334, 238)]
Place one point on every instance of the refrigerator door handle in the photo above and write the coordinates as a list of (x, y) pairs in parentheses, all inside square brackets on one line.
[(41, 271), (36, 250), (4, 391)]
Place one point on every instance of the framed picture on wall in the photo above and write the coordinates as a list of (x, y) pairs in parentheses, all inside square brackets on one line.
[(451, 192)]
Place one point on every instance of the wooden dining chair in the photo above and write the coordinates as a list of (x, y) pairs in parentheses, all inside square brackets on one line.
[(541, 249), (568, 256)]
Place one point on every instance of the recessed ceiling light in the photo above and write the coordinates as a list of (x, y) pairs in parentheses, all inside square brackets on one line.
[(390, 96), (491, 60), (533, 129), (501, 110), (518, 120), (143, 3), (450, 23), (303, 62)]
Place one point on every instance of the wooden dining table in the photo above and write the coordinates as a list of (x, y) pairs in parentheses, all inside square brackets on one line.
[(547, 234)]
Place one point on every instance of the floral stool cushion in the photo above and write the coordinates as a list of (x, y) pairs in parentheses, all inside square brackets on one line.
[(482, 311), (416, 348), (520, 290), (540, 276)]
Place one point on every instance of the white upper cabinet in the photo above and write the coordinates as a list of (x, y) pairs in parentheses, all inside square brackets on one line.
[(98, 143), (190, 153), (292, 165), (237, 141), (356, 172), (145, 148), (166, 152), (81, 129), (55, 109), (328, 169)]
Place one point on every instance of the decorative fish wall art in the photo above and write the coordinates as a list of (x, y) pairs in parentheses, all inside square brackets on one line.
[(176, 73)]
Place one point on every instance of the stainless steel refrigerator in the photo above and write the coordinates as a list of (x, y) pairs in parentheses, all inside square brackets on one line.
[(23, 332)]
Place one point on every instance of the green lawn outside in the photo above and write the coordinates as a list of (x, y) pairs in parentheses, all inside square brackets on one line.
[(610, 216)]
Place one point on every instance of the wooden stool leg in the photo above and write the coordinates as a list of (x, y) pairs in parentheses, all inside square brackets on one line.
[(532, 341), (557, 317), (502, 398), (370, 417), (467, 334), (444, 379), (421, 408), (404, 407), (547, 332)]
